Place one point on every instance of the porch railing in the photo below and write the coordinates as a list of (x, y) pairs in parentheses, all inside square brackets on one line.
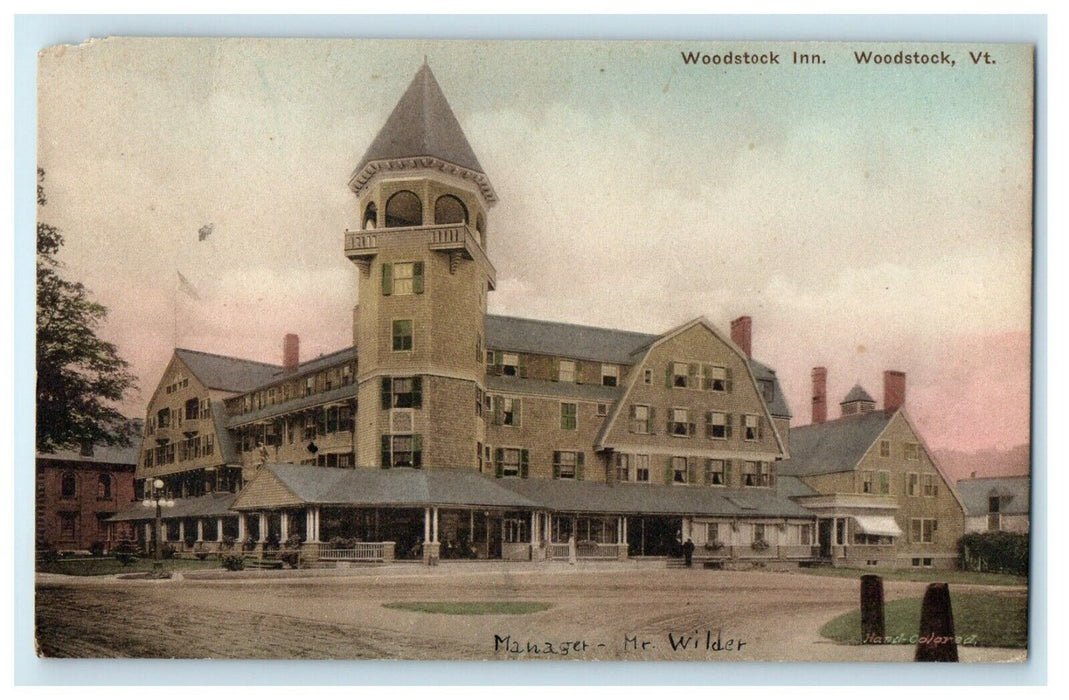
[(586, 550), (361, 551)]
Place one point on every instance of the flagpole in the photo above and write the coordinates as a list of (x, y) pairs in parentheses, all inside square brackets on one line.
[(174, 301)]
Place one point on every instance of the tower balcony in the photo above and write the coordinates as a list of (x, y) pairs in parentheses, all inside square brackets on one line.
[(456, 240)]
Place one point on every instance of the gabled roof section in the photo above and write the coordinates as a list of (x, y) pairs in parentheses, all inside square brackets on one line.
[(226, 373), (858, 393), (569, 340), (1013, 490), (834, 446), (213, 504), (422, 124), (119, 455)]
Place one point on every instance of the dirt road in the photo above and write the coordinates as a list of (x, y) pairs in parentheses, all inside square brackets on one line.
[(623, 613)]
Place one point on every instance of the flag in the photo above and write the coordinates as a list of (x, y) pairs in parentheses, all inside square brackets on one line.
[(205, 231), (186, 287)]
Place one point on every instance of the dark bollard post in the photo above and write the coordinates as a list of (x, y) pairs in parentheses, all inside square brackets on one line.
[(936, 641), (872, 625)]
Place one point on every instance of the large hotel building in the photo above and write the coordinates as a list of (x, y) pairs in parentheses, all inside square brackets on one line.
[(445, 432)]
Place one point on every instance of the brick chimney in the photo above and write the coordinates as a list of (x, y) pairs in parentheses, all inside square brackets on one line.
[(894, 390), (291, 352), (820, 395), (741, 330)]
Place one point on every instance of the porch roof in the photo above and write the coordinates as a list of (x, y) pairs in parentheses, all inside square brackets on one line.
[(279, 485), (655, 499), (210, 505)]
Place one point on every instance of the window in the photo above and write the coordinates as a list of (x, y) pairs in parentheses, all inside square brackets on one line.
[(768, 390), (911, 450), (510, 461), (515, 530), (759, 533), (715, 378), (913, 484), (712, 533), (402, 335), (603, 409), (883, 483), (866, 482), (569, 419), (402, 279), (757, 474), (450, 210), (840, 531), (346, 375), (717, 472), (163, 418), (922, 530), (930, 488), (717, 425), (507, 410), (751, 427), (104, 487), (67, 525), (679, 425), (647, 376), (509, 364), (402, 392), (679, 470), (404, 209), (678, 375), (610, 375), (568, 465), (641, 419), (309, 386), (402, 451), (885, 448), (634, 468), (805, 534), (566, 371), (922, 561), (192, 409), (68, 486)]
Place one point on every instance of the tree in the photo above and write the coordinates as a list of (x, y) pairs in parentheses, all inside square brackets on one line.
[(79, 376)]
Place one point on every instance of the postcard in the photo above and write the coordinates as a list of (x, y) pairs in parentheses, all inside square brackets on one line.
[(534, 350)]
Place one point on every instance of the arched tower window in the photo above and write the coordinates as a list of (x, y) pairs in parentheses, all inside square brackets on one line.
[(371, 215), (404, 209), (450, 210), (69, 486), (104, 487)]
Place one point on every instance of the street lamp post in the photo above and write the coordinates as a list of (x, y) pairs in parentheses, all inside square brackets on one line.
[(157, 499)]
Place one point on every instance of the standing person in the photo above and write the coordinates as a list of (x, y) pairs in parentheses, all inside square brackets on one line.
[(688, 552)]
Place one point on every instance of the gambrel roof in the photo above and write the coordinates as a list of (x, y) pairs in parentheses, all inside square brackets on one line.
[(568, 340), (226, 373)]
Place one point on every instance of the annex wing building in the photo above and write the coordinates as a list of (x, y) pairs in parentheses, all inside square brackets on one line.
[(448, 432)]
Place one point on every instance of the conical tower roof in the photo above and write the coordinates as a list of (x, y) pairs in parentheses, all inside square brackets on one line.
[(422, 124), (858, 394)]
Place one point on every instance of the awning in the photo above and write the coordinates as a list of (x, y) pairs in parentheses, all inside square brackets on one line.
[(883, 525)]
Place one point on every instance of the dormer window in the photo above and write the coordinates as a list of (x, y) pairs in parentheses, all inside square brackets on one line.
[(610, 375)]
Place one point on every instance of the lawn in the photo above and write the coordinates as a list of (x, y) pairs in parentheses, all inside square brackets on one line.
[(507, 607), (104, 566), (980, 619), (978, 578)]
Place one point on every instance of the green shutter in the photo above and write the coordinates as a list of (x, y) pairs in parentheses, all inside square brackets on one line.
[(499, 456), (417, 277), (523, 464), (417, 392), (578, 372), (727, 472), (705, 472), (727, 379), (668, 376), (668, 470), (495, 401), (692, 477), (417, 451), (523, 367), (727, 425), (649, 421), (760, 427), (692, 376), (387, 393), (385, 451), (556, 464), (387, 279), (579, 466), (517, 404)]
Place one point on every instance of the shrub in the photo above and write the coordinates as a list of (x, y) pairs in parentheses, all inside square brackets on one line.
[(228, 541), (293, 541), (168, 551), (191, 540), (202, 554), (1003, 552), (97, 548), (759, 545), (233, 562), (291, 558), (272, 541), (126, 552), (714, 546)]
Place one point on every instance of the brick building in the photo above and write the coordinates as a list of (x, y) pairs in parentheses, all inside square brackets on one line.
[(78, 490), (447, 431)]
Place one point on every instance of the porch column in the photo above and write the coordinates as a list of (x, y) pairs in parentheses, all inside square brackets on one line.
[(534, 528), (426, 524), (218, 529), (148, 534), (263, 527), (182, 530), (434, 524), (241, 527), (315, 523), (283, 528), (200, 530)]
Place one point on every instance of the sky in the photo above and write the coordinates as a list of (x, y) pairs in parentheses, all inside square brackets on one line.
[(866, 217)]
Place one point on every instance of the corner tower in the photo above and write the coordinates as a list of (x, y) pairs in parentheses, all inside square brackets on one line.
[(422, 203)]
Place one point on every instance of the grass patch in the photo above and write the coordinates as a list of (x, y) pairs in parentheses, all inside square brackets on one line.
[(978, 578), (505, 607), (105, 566), (980, 619)]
